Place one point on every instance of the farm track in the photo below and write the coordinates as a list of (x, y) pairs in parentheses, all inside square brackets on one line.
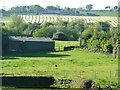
[(54, 18)]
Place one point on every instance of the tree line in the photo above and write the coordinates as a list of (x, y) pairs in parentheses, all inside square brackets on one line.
[(98, 36), (37, 9)]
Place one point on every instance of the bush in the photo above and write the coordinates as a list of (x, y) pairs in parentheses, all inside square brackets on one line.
[(40, 33), (94, 43), (59, 36)]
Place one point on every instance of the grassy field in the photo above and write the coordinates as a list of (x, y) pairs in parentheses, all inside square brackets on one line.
[(6, 18), (104, 16), (73, 64), (114, 13), (107, 13)]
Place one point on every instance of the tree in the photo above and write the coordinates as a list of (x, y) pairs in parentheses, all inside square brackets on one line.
[(115, 7), (107, 7), (80, 27), (35, 9), (67, 8), (87, 34), (89, 7), (47, 24), (40, 33), (60, 36), (72, 33), (105, 26), (5, 38), (51, 30), (80, 9), (52, 8), (17, 25), (27, 9)]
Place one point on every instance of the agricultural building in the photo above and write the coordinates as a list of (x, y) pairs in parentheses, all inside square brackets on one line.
[(28, 44)]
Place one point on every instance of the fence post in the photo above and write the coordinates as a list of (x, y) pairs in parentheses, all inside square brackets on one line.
[(59, 48), (80, 74), (94, 74)]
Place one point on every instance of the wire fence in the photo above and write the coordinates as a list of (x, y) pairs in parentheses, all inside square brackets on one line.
[(59, 48), (94, 75)]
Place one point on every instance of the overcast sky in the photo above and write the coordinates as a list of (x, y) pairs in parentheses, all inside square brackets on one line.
[(97, 4)]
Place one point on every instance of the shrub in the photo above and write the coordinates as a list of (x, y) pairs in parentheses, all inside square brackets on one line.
[(108, 47), (94, 43), (40, 33), (59, 36)]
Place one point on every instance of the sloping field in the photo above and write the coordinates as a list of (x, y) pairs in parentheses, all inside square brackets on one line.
[(73, 64), (54, 18)]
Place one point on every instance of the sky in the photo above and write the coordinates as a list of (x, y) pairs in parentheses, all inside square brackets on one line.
[(97, 4)]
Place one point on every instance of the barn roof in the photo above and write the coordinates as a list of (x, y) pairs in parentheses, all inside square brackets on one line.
[(32, 39)]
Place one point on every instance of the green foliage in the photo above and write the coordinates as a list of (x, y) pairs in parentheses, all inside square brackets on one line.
[(72, 64), (108, 47), (62, 23), (60, 36), (101, 40), (89, 7), (40, 33), (105, 26), (51, 30), (90, 35), (117, 35), (5, 38), (27, 9), (52, 8), (94, 43), (118, 43), (47, 24), (27, 32), (101, 26), (87, 33), (17, 26)]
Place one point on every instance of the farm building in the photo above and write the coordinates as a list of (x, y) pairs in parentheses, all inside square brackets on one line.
[(28, 44)]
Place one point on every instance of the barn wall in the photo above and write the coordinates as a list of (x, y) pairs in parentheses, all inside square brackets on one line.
[(13, 45), (40, 46), (31, 46)]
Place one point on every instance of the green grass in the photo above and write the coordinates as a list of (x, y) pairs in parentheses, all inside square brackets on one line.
[(107, 13), (6, 18), (71, 64), (113, 13), (61, 44)]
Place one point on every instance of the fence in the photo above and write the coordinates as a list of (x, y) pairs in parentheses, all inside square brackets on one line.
[(65, 48), (59, 48), (93, 75)]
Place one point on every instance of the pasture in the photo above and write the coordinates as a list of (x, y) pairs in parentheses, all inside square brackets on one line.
[(73, 64), (103, 13)]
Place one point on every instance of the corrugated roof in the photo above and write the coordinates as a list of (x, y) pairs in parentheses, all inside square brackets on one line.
[(37, 39)]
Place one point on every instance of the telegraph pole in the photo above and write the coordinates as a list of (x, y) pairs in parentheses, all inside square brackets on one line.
[(80, 37)]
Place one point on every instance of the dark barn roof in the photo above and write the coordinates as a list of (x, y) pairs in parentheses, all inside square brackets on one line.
[(31, 39)]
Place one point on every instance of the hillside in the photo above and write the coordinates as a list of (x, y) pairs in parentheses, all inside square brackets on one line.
[(54, 18), (71, 64)]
